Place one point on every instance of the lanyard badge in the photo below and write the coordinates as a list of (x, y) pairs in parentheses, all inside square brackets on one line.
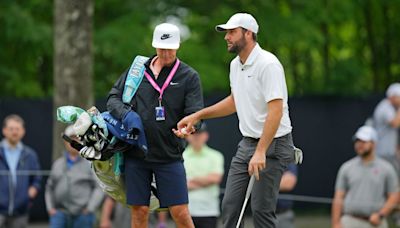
[(160, 110)]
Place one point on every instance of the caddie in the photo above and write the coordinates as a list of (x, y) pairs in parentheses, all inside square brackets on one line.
[(164, 90)]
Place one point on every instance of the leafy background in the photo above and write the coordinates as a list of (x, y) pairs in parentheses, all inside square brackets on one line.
[(340, 48)]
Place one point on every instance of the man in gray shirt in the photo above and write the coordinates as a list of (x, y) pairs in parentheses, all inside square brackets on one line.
[(387, 123), (366, 186), (72, 193)]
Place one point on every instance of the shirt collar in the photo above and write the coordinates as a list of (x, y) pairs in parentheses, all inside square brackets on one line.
[(7, 146), (370, 163), (253, 55), (190, 151), (69, 160), (168, 68)]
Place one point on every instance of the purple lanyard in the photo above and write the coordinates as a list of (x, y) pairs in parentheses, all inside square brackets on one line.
[(167, 81)]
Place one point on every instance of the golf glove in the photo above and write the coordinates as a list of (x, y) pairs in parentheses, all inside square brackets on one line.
[(298, 156)]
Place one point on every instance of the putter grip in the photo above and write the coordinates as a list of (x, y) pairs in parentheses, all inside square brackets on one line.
[(250, 186)]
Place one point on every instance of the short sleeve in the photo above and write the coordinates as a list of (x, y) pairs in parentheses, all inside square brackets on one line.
[(341, 180), (272, 81), (218, 166), (384, 113), (391, 180)]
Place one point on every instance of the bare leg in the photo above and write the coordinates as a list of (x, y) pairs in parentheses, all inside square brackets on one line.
[(181, 216), (140, 216)]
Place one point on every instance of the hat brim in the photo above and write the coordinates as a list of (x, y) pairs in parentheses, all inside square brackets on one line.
[(364, 139), (165, 46), (224, 27)]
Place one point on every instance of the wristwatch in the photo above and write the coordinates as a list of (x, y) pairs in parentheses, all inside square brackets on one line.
[(381, 215)]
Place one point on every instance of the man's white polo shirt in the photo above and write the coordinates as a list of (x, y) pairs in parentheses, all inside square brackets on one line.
[(260, 80)]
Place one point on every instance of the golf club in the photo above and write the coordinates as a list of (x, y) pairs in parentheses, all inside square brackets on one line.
[(248, 193)]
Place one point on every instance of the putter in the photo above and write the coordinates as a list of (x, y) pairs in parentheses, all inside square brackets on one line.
[(248, 193)]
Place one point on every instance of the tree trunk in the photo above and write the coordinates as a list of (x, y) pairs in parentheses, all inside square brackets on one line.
[(72, 60)]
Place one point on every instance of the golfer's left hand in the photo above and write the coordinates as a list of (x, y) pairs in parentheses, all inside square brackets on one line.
[(256, 164)]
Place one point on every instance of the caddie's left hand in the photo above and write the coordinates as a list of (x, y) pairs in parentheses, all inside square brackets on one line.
[(256, 164)]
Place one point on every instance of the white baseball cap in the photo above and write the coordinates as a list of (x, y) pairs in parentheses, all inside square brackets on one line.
[(393, 90), (166, 36), (366, 133), (243, 20)]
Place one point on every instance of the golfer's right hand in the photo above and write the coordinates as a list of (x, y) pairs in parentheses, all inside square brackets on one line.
[(185, 127), (256, 164)]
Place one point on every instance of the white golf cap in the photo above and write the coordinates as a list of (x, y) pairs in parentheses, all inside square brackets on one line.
[(393, 90), (166, 36), (366, 133), (243, 20)]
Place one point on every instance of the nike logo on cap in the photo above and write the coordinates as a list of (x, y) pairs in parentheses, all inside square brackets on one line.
[(165, 36), (174, 83)]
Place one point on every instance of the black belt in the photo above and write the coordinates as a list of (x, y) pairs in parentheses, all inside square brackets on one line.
[(362, 217), (251, 139)]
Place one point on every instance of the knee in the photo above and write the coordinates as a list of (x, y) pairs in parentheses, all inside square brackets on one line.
[(180, 213), (140, 213), (228, 204), (264, 210)]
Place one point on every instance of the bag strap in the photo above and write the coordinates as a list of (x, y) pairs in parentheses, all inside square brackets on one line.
[(134, 78)]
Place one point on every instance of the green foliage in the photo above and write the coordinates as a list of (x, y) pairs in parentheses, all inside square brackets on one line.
[(26, 50), (327, 47)]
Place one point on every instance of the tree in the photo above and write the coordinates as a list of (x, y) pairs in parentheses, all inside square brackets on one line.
[(72, 59), (340, 48)]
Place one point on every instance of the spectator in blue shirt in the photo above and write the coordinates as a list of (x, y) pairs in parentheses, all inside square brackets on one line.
[(17, 190)]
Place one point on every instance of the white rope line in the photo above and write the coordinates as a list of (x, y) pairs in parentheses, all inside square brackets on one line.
[(26, 172), (300, 198)]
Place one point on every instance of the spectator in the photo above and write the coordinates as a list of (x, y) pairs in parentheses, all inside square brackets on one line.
[(387, 123), (284, 212), (72, 194), (204, 171), (16, 190), (122, 215), (162, 217), (366, 186)]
